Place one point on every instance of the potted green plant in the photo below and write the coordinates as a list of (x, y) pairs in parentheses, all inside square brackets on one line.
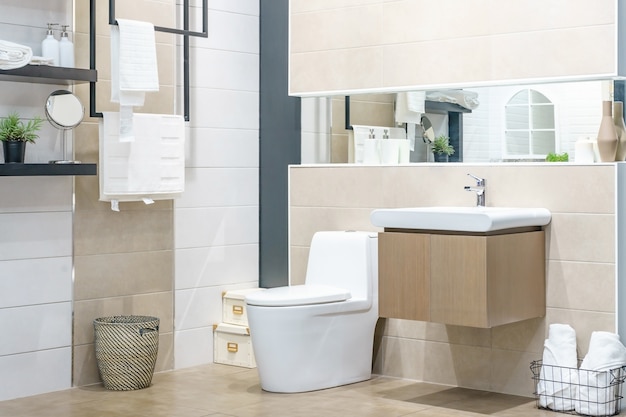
[(15, 133), (554, 157), (442, 148)]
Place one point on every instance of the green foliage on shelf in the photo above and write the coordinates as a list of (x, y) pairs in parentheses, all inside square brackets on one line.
[(441, 145), (561, 157), (12, 128)]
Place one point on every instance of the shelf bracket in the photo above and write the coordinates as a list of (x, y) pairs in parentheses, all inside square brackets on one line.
[(185, 32)]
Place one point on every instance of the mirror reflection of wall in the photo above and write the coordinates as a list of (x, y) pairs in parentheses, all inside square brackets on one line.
[(515, 123)]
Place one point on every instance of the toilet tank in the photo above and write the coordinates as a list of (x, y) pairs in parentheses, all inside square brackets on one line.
[(345, 259)]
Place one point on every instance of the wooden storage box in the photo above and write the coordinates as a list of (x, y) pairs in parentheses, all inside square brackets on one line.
[(232, 345), (234, 306)]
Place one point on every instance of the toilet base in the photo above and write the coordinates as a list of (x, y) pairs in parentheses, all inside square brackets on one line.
[(299, 352)]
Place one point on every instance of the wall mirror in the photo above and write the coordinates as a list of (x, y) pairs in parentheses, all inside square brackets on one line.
[(64, 111), (512, 123)]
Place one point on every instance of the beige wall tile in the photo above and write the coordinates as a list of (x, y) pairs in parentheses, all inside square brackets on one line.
[(487, 49), (458, 365), (299, 259), (400, 15), (582, 237), (509, 48), (581, 285), (336, 187), (403, 358), (510, 372), (100, 232), (513, 16), (337, 28), (580, 249), (526, 336), (336, 70), (156, 305), (123, 274), (313, 220), (339, 149), (302, 6)]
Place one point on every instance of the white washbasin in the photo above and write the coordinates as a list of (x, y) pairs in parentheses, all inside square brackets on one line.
[(461, 219)]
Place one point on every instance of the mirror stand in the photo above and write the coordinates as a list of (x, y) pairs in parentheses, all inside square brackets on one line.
[(65, 160)]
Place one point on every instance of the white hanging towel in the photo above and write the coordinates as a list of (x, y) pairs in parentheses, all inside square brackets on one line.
[(13, 55), (410, 106), (152, 167), (133, 69)]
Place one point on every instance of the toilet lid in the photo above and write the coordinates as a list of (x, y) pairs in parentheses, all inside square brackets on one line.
[(297, 295)]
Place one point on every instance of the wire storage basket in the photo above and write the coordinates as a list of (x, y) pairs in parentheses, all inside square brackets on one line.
[(578, 391), (126, 350)]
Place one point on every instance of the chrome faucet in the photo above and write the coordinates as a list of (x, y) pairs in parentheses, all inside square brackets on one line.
[(479, 189)]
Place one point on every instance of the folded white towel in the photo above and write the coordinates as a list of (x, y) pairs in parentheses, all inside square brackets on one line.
[(464, 98), (596, 396), (39, 60), (558, 377), (13, 55)]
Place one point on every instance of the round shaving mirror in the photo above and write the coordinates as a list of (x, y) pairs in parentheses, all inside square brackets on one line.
[(64, 111), (429, 132)]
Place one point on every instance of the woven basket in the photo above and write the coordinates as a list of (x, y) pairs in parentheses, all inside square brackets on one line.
[(126, 350)]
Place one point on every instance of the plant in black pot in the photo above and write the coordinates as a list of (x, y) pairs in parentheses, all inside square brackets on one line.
[(15, 133), (442, 148)]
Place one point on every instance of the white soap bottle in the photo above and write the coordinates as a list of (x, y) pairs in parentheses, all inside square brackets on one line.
[(50, 46), (66, 49)]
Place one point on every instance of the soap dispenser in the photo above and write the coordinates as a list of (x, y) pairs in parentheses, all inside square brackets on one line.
[(66, 49), (50, 46)]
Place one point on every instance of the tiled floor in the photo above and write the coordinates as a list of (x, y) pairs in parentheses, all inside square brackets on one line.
[(221, 391)]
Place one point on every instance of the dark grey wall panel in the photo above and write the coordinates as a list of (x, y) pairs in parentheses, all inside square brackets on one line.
[(279, 142)]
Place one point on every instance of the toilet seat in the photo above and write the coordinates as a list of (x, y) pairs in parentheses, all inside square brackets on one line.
[(298, 295)]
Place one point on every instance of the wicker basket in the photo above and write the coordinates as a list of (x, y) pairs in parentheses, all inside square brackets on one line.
[(126, 350)]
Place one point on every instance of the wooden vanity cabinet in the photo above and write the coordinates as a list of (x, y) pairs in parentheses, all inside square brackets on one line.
[(465, 280)]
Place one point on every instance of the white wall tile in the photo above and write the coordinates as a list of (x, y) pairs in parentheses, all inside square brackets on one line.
[(35, 373), (35, 194), (225, 70), (35, 281), (234, 147), (216, 265), (224, 108), (35, 235), (27, 329), (193, 347), (210, 187), (228, 31), (202, 307), (198, 227)]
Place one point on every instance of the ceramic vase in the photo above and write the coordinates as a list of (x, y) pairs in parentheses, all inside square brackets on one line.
[(607, 134), (620, 128)]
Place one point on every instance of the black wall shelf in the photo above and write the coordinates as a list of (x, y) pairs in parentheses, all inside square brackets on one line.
[(8, 170), (46, 74)]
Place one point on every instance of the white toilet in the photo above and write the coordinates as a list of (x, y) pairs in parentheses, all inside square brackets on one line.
[(320, 334)]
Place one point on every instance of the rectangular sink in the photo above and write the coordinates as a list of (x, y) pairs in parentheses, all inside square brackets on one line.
[(460, 219)]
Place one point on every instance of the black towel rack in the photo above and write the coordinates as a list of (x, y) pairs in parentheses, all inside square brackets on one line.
[(185, 32)]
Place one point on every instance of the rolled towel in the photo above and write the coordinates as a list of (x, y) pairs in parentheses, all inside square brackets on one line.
[(558, 376), (13, 55), (596, 394)]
